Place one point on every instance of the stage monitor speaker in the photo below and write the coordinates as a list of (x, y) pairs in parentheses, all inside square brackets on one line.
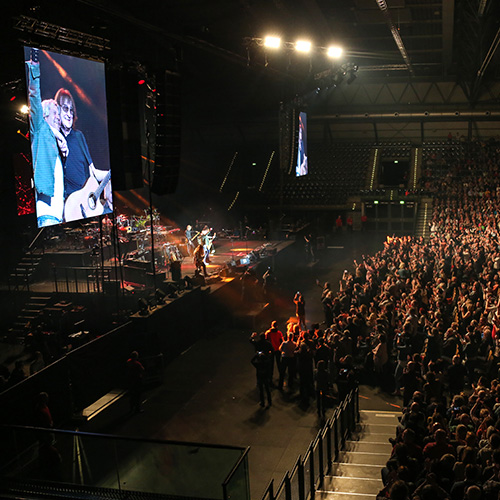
[(168, 133), (175, 270)]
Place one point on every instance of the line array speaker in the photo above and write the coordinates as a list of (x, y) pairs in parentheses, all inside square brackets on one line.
[(168, 133)]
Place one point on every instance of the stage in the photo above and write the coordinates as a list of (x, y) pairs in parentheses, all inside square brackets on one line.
[(85, 270), (231, 255)]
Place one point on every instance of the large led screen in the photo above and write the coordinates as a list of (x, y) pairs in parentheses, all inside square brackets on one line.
[(69, 137), (302, 168)]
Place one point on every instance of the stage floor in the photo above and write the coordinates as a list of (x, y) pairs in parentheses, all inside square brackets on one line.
[(231, 252), (227, 253)]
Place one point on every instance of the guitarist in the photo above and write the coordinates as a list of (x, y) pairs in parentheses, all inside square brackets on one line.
[(207, 240), (79, 166), (199, 259), (189, 239)]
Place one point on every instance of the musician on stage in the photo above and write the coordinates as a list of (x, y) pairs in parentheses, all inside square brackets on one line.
[(199, 259), (79, 165), (208, 242), (189, 239)]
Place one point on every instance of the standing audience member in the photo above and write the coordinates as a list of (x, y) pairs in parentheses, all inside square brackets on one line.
[(261, 363), (275, 337), (322, 388), (135, 373), (49, 458), (288, 361), (18, 374), (300, 309)]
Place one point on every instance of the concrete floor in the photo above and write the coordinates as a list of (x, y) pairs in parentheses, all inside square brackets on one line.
[(209, 393)]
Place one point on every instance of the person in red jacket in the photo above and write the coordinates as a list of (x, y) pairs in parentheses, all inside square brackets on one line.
[(135, 372), (275, 336)]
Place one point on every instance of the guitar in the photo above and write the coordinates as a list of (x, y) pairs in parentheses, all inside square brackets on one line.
[(209, 242), (86, 201)]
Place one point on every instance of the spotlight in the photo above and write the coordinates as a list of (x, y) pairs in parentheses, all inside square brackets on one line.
[(272, 42), (303, 46), (334, 52), (24, 109)]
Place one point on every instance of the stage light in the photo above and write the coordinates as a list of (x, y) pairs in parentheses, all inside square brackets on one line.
[(24, 109), (160, 296), (141, 82), (375, 202), (351, 78), (13, 98), (272, 42), (402, 202), (303, 46), (143, 306), (334, 52)]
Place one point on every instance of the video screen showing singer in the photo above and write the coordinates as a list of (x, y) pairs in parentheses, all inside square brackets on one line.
[(302, 167), (86, 188)]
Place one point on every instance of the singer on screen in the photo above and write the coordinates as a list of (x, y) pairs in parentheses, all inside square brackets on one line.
[(49, 149), (302, 167), (80, 175)]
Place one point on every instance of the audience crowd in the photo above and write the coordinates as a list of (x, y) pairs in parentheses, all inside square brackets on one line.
[(421, 319)]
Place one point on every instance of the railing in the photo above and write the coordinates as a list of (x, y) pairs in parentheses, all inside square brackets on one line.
[(83, 279), (105, 466), (308, 474), (237, 484)]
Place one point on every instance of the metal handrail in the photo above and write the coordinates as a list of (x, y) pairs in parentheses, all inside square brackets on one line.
[(118, 437), (233, 472), (347, 416)]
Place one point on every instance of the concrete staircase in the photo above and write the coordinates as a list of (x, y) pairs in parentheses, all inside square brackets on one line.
[(357, 475), (424, 217), (31, 311), (23, 274)]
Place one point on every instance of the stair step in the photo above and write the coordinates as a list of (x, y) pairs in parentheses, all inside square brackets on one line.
[(379, 417), (32, 308), (338, 495), (356, 470), (369, 446), (40, 297), (363, 458), (352, 484)]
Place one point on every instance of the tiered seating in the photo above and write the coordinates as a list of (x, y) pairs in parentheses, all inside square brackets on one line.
[(336, 171)]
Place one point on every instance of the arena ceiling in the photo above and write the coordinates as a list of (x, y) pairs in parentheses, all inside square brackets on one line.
[(217, 42)]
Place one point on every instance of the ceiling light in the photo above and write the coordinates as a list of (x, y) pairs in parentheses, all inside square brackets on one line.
[(302, 46), (273, 42), (334, 52)]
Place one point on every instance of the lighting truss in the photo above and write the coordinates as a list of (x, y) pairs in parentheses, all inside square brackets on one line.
[(333, 52), (59, 33)]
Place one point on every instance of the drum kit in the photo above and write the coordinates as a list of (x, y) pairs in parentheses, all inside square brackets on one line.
[(134, 231)]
